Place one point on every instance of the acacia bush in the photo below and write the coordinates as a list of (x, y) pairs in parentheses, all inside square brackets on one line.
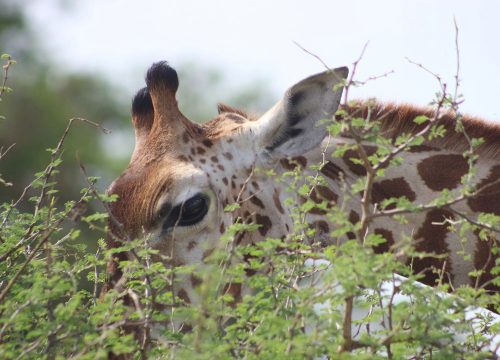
[(50, 283)]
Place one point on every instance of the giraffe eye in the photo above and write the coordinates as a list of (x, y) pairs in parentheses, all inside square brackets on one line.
[(193, 210), (190, 212)]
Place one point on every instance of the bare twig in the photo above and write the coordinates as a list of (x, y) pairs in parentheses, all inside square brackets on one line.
[(350, 81), (4, 152), (314, 55), (457, 73), (436, 76), (9, 62), (46, 176), (372, 78)]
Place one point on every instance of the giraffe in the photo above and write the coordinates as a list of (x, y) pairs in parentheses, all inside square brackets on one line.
[(181, 176)]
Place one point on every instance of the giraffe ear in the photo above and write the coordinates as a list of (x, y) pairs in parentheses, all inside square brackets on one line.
[(291, 127), (224, 108)]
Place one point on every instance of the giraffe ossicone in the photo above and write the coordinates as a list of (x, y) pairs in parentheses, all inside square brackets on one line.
[(182, 175)]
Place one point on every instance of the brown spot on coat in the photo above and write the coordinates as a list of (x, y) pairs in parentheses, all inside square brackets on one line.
[(224, 180), (302, 161), (222, 228), (321, 227), (332, 171), (316, 199), (183, 295), (249, 271), (176, 263), (220, 167), (235, 291), (185, 137), (292, 163), (392, 188), (228, 156), (200, 150), (353, 219), (239, 238), (316, 211), (320, 194), (488, 200), (484, 259), (191, 245), (443, 171), (183, 158), (264, 222), (357, 169), (287, 165), (214, 159), (431, 238), (322, 232), (277, 202), (254, 199), (206, 254), (207, 143), (389, 241), (255, 185), (327, 194), (195, 280)]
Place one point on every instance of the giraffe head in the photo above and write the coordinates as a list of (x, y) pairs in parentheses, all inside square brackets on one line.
[(182, 175)]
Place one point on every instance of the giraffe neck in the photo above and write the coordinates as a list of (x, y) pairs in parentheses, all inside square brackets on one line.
[(423, 174)]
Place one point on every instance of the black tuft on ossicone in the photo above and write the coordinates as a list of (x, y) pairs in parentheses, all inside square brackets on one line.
[(160, 74), (142, 104)]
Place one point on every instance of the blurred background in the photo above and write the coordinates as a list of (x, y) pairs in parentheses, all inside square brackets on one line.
[(88, 58)]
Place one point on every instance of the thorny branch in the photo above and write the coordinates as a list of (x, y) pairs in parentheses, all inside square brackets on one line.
[(347, 344), (350, 82), (454, 104), (3, 88), (46, 175), (369, 213)]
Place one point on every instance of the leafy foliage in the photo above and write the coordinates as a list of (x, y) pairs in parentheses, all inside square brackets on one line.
[(50, 305), (50, 280)]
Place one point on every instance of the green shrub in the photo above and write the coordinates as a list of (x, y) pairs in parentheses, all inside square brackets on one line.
[(50, 283)]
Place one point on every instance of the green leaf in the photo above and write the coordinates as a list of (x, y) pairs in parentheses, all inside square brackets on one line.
[(420, 119), (232, 207)]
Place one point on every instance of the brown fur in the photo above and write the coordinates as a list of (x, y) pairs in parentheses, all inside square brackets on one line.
[(389, 241), (398, 119), (431, 238), (489, 198), (443, 171), (392, 188)]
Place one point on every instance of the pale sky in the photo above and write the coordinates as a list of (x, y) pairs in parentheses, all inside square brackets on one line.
[(255, 40)]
